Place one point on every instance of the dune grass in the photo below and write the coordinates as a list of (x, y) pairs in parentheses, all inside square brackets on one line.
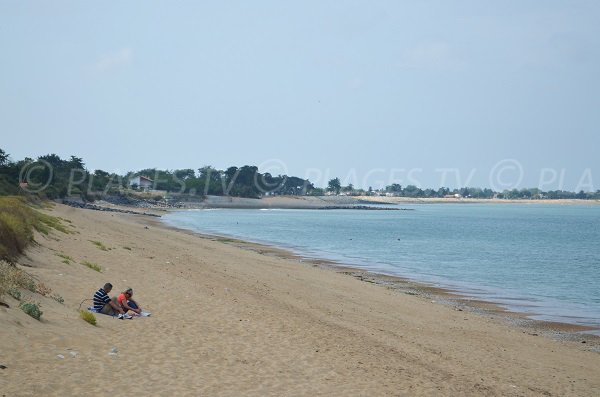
[(92, 266), (88, 317), (66, 258), (100, 245), (18, 221)]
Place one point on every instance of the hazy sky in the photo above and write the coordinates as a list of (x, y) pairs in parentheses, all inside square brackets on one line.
[(496, 93)]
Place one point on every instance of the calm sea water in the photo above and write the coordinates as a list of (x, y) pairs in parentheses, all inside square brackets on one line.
[(543, 260)]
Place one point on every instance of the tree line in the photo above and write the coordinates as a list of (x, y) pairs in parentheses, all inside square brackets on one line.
[(52, 177), (334, 187)]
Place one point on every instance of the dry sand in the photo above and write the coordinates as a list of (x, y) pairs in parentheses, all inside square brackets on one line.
[(229, 321)]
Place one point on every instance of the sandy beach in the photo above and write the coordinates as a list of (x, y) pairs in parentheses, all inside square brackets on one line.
[(233, 320)]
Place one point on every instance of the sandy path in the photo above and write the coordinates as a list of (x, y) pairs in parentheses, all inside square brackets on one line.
[(231, 322)]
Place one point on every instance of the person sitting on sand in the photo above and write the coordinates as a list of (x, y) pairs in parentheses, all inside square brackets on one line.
[(125, 301), (103, 304)]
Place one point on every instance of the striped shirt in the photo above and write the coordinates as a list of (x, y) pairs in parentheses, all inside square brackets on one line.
[(100, 299)]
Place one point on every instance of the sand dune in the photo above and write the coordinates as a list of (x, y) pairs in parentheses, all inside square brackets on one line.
[(229, 321)]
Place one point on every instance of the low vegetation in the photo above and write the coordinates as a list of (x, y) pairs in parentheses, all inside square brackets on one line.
[(66, 258), (58, 298), (92, 266), (48, 222), (32, 309), (18, 221), (100, 245), (43, 289), (15, 293), (88, 317), (13, 278)]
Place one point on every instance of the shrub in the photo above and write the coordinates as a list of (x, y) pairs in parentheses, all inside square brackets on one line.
[(32, 309), (15, 293), (12, 278), (7, 188), (24, 280), (92, 266), (127, 248), (43, 289), (88, 317)]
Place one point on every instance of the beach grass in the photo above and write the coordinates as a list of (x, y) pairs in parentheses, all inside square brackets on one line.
[(100, 245), (66, 258), (47, 222), (92, 266), (18, 221), (88, 317)]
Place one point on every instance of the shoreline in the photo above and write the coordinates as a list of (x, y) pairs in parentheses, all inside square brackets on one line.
[(424, 200), (183, 202), (453, 297), (450, 295), (323, 202)]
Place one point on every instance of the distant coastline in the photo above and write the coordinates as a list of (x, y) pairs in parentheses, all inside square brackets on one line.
[(298, 202)]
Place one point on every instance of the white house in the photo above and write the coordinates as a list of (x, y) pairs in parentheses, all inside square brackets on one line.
[(141, 182)]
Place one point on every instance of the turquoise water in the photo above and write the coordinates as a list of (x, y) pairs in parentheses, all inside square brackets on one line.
[(543, 260)]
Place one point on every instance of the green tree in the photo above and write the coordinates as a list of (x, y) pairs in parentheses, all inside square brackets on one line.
[(3, 158), (9, 175), (317, 191), (334, 185), (212, 180), (76, 163), (413, 191), (348, 189), (394, 188)]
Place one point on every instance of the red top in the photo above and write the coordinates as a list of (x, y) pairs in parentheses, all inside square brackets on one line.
[(121, 299)]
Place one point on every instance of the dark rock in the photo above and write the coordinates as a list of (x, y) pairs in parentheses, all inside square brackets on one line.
[(80, 204), (363, 207)]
